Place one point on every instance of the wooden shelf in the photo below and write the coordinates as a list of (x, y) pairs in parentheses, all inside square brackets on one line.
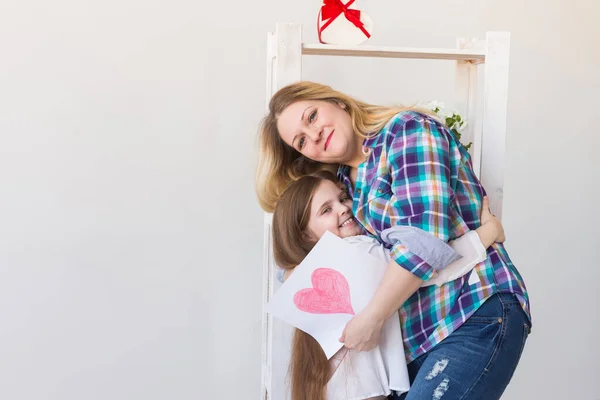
[(393, 52)]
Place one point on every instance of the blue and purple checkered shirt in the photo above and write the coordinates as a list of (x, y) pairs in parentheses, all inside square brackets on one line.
[(419, 174)]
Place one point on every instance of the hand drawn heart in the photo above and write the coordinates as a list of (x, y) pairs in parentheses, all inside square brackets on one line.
[(330, 294)]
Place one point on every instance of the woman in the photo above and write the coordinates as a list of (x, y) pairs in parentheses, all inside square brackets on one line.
[(462, 340)]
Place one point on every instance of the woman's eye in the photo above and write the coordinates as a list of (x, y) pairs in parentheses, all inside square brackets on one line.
[(312, 116)]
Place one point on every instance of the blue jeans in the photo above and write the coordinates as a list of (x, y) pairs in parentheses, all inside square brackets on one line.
[(477, 360)]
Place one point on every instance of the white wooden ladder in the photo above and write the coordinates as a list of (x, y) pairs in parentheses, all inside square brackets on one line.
[(483, 108)]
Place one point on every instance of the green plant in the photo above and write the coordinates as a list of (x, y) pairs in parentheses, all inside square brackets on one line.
[(455, 123)]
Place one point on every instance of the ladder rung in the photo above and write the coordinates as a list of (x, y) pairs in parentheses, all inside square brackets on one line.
[(393, 52)]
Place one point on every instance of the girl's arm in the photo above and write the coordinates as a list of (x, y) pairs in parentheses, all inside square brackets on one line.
[(491, 230)]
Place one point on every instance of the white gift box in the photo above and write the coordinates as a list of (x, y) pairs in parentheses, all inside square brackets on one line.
[(343, 24)]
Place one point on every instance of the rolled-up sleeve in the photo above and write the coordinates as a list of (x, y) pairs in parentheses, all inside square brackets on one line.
[(419, 161)]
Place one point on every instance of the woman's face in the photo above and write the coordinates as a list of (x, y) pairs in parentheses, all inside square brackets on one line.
[(331, 210), (319, 130)]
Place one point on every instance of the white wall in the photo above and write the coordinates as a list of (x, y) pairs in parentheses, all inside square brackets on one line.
[(130, 254)]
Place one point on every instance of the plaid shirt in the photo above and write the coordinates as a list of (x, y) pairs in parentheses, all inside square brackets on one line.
[(418, 174)]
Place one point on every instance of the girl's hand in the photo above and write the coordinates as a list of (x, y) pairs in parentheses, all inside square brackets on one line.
[(491, 222), (363, 332)]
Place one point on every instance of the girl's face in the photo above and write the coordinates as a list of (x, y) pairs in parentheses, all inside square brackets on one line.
[(319, 130), (331, 210)]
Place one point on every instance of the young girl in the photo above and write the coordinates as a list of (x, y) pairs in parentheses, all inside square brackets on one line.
[(307, 209)]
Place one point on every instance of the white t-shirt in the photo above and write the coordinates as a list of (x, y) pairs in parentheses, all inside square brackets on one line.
[(360, 375)]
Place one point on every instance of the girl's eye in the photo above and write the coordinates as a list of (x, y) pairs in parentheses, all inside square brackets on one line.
[(312, 116), (326, 210), (301, 143)]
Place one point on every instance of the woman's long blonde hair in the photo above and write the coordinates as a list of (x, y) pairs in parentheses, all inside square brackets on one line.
[(280, 164)]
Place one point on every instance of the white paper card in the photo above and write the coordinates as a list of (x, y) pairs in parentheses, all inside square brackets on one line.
[(332, 284)]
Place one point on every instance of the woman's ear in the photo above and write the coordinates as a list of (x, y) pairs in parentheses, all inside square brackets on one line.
[(341, 105)]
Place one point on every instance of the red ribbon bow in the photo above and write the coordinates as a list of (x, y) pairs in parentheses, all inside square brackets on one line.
[(332, 9)]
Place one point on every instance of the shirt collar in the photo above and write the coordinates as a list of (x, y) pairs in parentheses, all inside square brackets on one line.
[(371, 141)]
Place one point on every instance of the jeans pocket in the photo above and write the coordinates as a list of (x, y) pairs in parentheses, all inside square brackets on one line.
[(489, 313), (483, 331)]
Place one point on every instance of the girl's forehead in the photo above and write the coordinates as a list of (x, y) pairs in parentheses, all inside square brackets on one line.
[(327, 188)]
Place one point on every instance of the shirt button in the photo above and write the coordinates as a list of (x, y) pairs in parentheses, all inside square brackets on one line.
[(358, 191)]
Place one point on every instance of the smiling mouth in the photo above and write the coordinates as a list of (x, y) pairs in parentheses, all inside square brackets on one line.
[(347, 222), (328, 140)]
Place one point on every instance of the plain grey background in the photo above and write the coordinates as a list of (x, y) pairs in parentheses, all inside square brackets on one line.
[(130, 236)]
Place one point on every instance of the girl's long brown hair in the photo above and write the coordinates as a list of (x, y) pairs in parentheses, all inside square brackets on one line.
[(309, 368)]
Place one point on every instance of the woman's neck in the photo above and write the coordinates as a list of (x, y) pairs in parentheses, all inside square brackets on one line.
[(358, 156)]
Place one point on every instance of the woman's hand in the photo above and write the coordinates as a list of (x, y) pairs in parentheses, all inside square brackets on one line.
[(491, 223), (362, 333)]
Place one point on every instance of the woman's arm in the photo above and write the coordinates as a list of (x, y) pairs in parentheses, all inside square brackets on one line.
[(362, 333), (471, 246), (419, 162), (490, 232)]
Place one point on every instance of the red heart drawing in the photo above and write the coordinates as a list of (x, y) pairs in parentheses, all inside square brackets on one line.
[(330, 294)]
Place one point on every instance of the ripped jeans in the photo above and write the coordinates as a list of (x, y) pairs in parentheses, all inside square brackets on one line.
[(477, 360)]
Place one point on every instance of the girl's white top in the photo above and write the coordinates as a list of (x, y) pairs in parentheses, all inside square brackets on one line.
[(360, 375)]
